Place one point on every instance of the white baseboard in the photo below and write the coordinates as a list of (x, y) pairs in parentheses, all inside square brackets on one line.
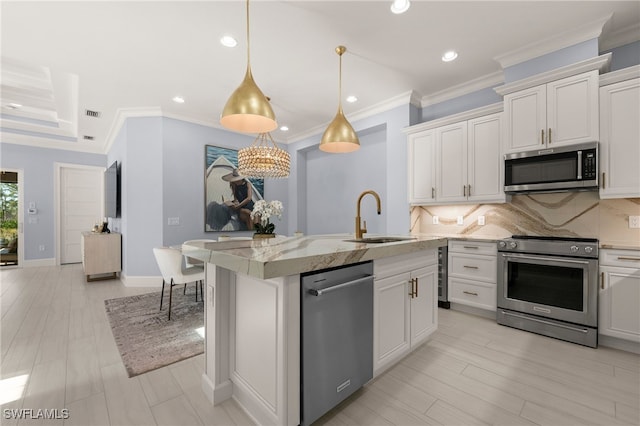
[(39, 262), (140, 281), (473, 310), (621, 344)]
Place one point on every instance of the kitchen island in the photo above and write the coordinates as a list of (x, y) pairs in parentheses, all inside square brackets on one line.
[(252, 315)]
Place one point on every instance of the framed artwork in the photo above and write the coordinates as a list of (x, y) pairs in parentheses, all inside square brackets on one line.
[(228, 196)]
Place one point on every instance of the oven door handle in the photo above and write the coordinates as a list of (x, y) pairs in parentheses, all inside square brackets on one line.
[(549, 259), (580, 330)]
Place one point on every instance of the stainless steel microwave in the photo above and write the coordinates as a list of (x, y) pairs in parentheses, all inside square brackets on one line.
[(565, 168)]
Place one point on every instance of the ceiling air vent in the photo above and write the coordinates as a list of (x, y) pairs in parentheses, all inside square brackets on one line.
[(88, 138), (95, 114)]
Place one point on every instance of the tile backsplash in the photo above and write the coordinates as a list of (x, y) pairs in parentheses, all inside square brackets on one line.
[(573, 214)]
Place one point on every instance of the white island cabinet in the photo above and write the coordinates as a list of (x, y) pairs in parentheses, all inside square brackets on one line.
[(405, 297), (252, 316)]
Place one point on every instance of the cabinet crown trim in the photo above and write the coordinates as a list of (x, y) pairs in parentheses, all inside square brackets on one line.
[(620, 75), (600, 63), (456, 118)]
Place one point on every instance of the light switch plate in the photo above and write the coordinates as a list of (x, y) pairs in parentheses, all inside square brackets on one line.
[(460, 220), (634, 221), (173, 221), (481, 220), (435, 220)]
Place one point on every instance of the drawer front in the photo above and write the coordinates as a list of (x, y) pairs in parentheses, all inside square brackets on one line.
[(394, 265), (473, 294), (473, 247), (481, 268), (623, 258)]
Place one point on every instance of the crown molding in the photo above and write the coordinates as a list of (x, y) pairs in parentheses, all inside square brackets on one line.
[(456, 118), (121, 116), (620, 75), (462, 89), (599, 63), (621, 37), (49, 143), (567, 38)]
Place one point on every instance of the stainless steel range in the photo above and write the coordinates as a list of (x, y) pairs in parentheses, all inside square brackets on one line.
[(549, 286)]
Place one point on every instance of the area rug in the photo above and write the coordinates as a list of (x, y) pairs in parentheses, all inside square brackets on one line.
[(145, 337)]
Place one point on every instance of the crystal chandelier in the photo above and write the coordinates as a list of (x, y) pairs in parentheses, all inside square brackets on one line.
[(263, 159)]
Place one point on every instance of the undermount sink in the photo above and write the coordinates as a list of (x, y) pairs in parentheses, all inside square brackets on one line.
[(380, 240)]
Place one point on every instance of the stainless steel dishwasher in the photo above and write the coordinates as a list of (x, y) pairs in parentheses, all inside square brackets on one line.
[(336, 337)]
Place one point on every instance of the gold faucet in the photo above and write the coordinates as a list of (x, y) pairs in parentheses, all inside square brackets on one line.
[(362, 229)]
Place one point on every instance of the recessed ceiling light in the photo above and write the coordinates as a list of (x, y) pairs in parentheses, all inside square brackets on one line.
[(449, 56), (178, 99), (400, 6), (284, 128), (228, 41), (351, 99), (13, 105)]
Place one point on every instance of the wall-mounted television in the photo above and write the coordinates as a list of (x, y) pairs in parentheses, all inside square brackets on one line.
[(112, 191)]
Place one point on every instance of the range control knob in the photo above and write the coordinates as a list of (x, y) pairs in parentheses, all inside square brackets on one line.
[(513, 244), (574, 249), (588, 249), (502, 244)]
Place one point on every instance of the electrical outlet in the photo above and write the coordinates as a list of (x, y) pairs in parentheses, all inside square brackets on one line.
[(634, 221), (481, 220), (41, 247), (173, 221), (460, 220), (435, 220)]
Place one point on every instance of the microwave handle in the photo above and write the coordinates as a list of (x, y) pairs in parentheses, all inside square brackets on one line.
[(579, 165)]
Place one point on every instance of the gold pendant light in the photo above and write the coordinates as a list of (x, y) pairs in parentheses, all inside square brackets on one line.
[(339, 136), (260, 160), (248, 109)]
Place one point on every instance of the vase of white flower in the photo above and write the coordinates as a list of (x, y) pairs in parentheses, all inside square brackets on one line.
[(264, 210)]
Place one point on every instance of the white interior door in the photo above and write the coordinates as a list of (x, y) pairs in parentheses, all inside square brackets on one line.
[(81, 206)]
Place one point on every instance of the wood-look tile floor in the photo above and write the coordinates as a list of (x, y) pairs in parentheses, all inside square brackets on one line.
[(57, 352)]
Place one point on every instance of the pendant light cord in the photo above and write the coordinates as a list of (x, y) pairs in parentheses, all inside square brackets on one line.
[(248, 41)]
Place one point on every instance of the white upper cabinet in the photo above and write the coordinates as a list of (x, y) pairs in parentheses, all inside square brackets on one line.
[(620, 139), (422, 171), (451, 163), (457, 162), (562, 112), (484, 162)]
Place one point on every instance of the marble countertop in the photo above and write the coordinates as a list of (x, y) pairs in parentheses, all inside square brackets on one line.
[(282, 256)]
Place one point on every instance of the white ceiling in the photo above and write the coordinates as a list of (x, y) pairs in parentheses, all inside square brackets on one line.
[(62, 58)]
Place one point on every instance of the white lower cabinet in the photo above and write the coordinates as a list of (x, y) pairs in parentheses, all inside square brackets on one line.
[(473, 273), (619, 303), (405, 305)]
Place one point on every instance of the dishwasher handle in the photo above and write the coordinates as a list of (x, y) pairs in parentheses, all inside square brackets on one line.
[(322, 291)]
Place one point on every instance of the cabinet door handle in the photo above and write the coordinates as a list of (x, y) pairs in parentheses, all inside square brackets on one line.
[(464, 190), (603, 176), (633, 259), (412, 282), (469, 190), (470, 267), (470, 293), (542, 137), (433, 192), (471, 247), (549, 136), (602, 280)]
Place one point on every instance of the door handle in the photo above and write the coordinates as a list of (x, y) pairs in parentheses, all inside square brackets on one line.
[(417, 286), (433, 192), (320, 292), (549, 136), (603, 176), (602, 280), (470, 267), (542, 137), (470, 293), (412, 292)]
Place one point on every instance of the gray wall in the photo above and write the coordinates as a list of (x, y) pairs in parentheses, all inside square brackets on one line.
[(38, 186)]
